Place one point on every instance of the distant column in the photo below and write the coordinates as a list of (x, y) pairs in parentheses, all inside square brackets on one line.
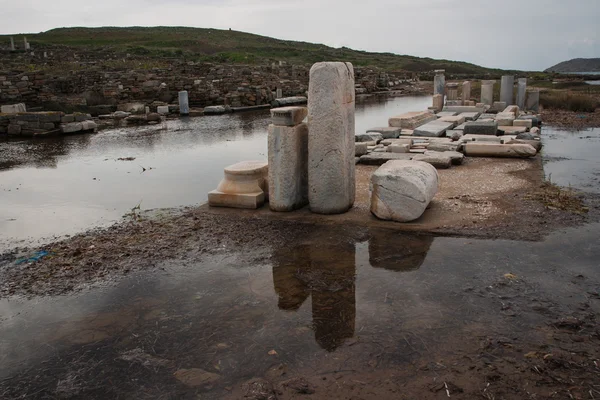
[(331, 169), (507, 86), (452, 91), (533, 100), (487, 92), (439, 83), (12, 43), (466, 91), (25, 44), (521, 90), (279, 93), (184, 104)]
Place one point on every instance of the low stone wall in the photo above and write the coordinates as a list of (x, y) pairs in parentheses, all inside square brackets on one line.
[(45, 123)]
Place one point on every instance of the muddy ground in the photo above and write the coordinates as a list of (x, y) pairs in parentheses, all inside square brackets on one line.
[(570, 119)]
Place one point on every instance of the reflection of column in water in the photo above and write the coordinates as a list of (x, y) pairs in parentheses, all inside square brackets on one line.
[(327, 272), (398, 251), (333, 269)]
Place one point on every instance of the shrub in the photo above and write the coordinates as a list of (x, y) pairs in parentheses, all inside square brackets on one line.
[(568, 101)]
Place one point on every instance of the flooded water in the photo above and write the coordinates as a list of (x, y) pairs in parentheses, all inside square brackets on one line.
[(70, 184), (326, 305)]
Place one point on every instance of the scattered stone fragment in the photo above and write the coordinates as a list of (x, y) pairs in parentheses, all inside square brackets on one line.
[(412, 120), (440, 160), (433, 129), (455, 156), (470, 116), (528, 123), (388, 132), (399, 148), (360, 149), (536, 144), (512, 130), (382, 158), (368, 137), (477, 149), (481, 127)]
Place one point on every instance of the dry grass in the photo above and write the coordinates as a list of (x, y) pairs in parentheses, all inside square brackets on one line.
[(563, 100), (554, 197)]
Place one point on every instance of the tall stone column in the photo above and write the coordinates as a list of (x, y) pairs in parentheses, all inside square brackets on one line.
[(184, 103), (466, 91), (288, 159), (331, 170), (521, 90), (533, 100), (12, 44), (487, 92), (439, 83), (507, 86)]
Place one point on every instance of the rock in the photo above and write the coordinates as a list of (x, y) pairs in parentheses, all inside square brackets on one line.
[(499, 150), (405, 140), (14, 129), (288, 165), (455, 156), (438, 159), (88, 126), (162, 110), (470, 116), (288, 116), (433, 129), (133, 108), (536, 144), (526, 136), (382, 158), (153, 117), (402, 190), (399, 148), (13, 108), (71, 127), (481, 128), (215, 110), (387, 132), (455, 135), (534, 131), (505, 119), (120, 114), (512, 130), (528, 123), (456, 120), (360, 149), (196, 377), (331, 171), (289, 101), (453, 146), (368, 137), (412, 120)]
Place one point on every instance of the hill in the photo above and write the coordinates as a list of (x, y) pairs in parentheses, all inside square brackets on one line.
[(226, 46), (577, 65)]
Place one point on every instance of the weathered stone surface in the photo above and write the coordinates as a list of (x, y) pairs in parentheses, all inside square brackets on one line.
[(121, 114), (446, 114), (439, 83), (215, 110), (153, 117), (404, 140), (440, 146), (481, 138), (14, 129), (438, 159), (245, 185), (407, 132), (462, 109), (512, 109), (456, 157), (466, 91), (452, 92), (134, 108), (470, 116), (475, 149), (536, 144), (481, 128), (402, 190), (288, 165), (512, 130), (387, 132), (382, 158), (289, 101), (288, 116), (360, 149), (13, 108), (456, 120), (368, 137), (505, 119), (526, 136), (498, 106), (88, 125), (535, 130), (164, 110), (331, 171), (533, 100), (528, 123), (487, 92), (521, 91), (412, 120), (438, 102), (70, 118), (454, 134), (507, 86), (433, 128), (71, 127), (399, 148), (184, 103)]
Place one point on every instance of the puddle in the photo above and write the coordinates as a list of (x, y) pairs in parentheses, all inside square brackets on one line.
[(332, 303), (60, 186)]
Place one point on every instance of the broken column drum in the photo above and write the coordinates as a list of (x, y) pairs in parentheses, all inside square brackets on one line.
[(331, 170), (439, 83), (466, 91), (288, 159), (184, 103), (507, 85), (487, 92), (245, 185), (453, 91), (521, 90)]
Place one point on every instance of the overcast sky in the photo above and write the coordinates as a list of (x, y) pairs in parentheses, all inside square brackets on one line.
[(510, 34)]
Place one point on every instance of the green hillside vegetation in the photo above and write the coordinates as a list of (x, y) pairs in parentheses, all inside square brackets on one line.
[(228, 46)]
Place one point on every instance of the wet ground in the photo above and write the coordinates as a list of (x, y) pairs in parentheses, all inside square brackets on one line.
[(198, 305), (55, 187)]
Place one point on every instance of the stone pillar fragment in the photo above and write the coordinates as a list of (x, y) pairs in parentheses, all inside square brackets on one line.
[(288, 159), (438, 102), (521, 90), (452, 91), (25, 44), (507, 86), (487, 92), (331, 171), (533, 100), (466, 92), (279, 93), (439, 83), (184, 103)]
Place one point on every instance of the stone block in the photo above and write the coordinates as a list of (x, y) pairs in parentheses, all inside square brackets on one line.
[(475, 149), (13, 108), (498, 106), (505, 119), (481, 128), (536, 144), (14, 129), (88, 125), (215, 110), (470, 116), (512, 130), (360, 149), (456, 157), (245, 185), (184, 103), (288, 116), (48, 126), (382, 158), (456, 120), (513, 109), (446, 114), (65, 119), (331, 171), (387, 132), (438, 102), (411, 120), (288, 164), (402, 190), (368, 137), (433, 129), (163, 110), (133, 108), (440, 146), (399, 148), (407, 132), (82, 117), (404, 140), (528, 123), (71, 127), (462, 109), (438, 159)]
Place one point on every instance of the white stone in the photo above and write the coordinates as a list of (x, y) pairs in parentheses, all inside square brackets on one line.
[(411, 120), (184, 103), (13, 108), (507, 86), (288, 116), (245, 185), (164, 110), (288, 167), (487, 92), (402, 190), (521, 90), (331, 171), (399, 148), (499, 150), (523, 122), (71, 127)]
